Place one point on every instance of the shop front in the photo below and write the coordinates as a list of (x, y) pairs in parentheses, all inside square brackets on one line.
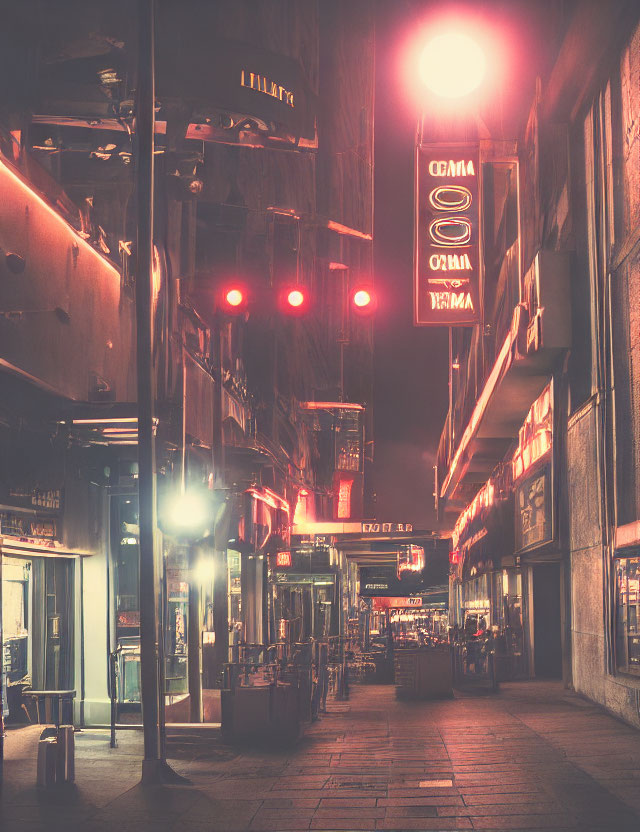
[(536, 538), (411, 621), (306, 591), (38, 623), (485, 581)]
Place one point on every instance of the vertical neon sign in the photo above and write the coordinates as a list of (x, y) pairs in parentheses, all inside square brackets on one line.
[(447, 256)]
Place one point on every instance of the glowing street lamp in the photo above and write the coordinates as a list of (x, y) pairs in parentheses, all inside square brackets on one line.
[(295, 298), (452, 65), (188, 516)]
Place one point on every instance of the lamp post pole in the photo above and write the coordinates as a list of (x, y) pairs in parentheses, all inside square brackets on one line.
[(149, 630)]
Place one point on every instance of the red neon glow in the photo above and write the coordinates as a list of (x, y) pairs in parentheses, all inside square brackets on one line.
[(483, 499), (450, 198), (454, 557), (450, 231), (452, 65), (391, 603), (266, 495), (457, 59), (503, 362), (410, 559), (283, 558), (344, 498), (535, 437), (330, 406), (234, 297), (6, 171), (295, 298)]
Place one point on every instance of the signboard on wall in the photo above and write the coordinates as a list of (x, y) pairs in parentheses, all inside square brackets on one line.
[(533, 510), (391, 603), (447, 235)]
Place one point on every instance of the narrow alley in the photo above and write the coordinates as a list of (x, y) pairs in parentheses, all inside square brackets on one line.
[(532, 757)]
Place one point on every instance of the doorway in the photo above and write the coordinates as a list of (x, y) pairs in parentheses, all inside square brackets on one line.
[(547, 638)]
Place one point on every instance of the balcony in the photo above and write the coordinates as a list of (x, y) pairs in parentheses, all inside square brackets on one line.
[(540, 331), (65, 324)]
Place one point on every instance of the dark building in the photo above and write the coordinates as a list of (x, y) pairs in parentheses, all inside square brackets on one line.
[(264, 160), (538, 462)]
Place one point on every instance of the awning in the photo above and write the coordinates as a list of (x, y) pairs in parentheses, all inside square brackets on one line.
[(26, 547), (537, 336)]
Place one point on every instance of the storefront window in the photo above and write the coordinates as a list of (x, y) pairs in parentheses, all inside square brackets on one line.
[(124, 554), (16, 593), (37, 621), (628, 614), (476, 604)]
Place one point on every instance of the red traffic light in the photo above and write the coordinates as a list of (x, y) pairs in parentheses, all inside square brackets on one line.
[(294, 300), (363, 300), (233, 299)]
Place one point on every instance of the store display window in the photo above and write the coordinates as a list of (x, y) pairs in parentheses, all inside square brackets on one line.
[(628, 614)]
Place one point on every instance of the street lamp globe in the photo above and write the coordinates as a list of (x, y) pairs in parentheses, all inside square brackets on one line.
[(189, 514), (452, 65)]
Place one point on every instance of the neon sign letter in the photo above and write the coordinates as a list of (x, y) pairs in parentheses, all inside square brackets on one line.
[(450, 231)]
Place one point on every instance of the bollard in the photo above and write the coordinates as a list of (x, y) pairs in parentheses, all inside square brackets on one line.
[(47, 756)]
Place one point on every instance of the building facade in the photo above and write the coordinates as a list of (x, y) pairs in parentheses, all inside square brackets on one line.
[(264, 164), (538, 462)]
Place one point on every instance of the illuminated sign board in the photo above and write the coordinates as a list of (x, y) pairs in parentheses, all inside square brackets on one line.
[(283, 558), (533, 511), (344, 497), (262, 84), (373, 527), (388, 603), (447, 254), (535, 437), (410, 559)]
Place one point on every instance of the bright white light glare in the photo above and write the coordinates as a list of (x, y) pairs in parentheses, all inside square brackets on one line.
[(452, 65), (234, 297), (362, 298), (295, 298), (188, 512), (204, 570)]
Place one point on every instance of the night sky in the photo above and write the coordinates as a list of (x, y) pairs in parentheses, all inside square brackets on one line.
[(411, 363)]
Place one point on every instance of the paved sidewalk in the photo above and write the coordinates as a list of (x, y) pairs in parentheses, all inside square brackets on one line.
[(534, 757)]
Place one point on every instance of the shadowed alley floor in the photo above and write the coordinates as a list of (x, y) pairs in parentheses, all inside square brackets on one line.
[(532, 757)]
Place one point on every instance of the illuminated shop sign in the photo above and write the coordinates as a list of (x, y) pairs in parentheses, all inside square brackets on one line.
[(447, 260), (261, 83), (373, 527), (535, 437), (532, 472), (344, 497), (388, 603), (283, 558), (533, 510), (410, 559)]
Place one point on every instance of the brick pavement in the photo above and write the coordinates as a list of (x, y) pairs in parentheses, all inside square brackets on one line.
[(534, 757)]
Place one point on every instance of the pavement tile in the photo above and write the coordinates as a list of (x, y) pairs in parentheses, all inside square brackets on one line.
[(436, 824), (290, 803), (535, 757), (337, 802), (346, 824), (350, 812), (426, 800), (524, 822)]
